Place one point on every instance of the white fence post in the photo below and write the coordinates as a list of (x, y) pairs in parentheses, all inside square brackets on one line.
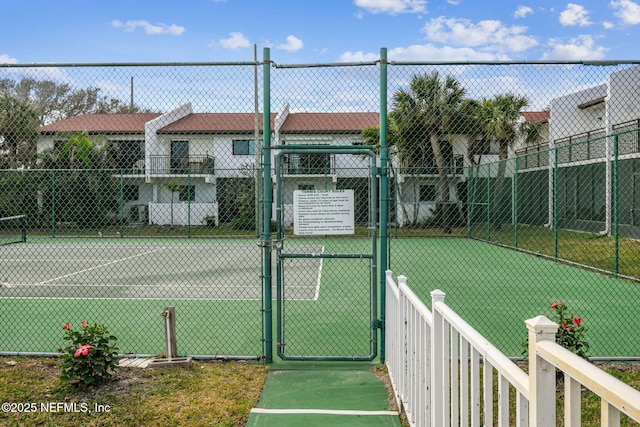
[(542, 374), (438, 389)]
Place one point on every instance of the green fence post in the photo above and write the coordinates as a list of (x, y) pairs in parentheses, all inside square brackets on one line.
[(384, 196), (555, 203), (121, 204), (266, 183), (189, 203), (53, 204), (616, 237), (515, 203), (488, 202)]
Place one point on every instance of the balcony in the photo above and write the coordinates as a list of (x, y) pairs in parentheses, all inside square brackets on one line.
[(194, 165)]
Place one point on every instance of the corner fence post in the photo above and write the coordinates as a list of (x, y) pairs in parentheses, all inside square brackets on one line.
[(384, 196), (542, 374), (266, 235)]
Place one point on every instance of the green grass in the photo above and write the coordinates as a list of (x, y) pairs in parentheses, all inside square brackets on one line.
[(210, 393), (588, 249)]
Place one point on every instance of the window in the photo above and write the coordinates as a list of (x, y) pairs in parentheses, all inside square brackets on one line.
[(187, 193), (428, 193), (243, 147), (130, 193)]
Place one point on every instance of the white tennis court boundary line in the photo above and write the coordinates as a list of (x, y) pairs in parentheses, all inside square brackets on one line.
[(101, 265), (323, 412)]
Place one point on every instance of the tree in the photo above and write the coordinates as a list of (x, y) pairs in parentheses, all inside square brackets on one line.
[(58, 101), (500, 120), (82, 190), (18, 131), (173, 186), (430, 109)]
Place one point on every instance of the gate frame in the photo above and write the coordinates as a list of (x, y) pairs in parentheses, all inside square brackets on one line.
[(374, 322)]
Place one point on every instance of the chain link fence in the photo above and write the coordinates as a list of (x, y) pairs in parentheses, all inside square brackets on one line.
[(138, 190), (139, 187)]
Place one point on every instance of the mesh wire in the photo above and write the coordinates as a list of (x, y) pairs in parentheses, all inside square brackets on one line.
[(141, 188)]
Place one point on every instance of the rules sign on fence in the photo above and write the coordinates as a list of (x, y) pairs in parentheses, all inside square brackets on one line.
[(320, 212)]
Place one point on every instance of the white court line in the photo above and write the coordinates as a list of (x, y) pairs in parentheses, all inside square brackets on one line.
[(322, 412), (316, 295), (99, 266)]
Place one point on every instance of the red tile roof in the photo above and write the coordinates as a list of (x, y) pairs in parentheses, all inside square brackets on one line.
[(536, 116), (214, 123), (329, 122), (100, 123)]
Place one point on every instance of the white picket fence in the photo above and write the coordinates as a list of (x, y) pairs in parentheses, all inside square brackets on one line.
[(435, 358)]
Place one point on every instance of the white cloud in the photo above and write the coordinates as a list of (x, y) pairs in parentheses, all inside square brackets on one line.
[(6, 59), (581, 48), (129, 26), (454, 2), (293, 44), (627, 10), (522, 11), (235, 41), (490, 34), (393, 7), (573, 15), (426, 52), (608, 25)]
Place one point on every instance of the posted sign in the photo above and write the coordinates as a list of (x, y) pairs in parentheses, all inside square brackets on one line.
[(317, 212)]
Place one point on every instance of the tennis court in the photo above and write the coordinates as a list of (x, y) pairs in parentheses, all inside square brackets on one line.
[(145, 270), (216, 287), (495, 289)]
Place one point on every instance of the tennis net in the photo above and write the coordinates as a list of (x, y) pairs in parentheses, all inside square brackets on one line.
[(13, 229)]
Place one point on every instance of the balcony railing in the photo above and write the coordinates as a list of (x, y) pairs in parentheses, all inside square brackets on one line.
[(453, 167), (588, 145), (628, 142), (309, 164), (534, 156), (186, 165)]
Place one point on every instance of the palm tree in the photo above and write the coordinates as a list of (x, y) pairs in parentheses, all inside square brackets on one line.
[(173, 186), (500, 120), (427, 111)]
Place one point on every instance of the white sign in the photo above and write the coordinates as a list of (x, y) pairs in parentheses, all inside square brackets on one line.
[(317, 212)]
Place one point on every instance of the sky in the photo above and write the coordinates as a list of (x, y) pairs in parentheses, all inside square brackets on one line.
[(317, 31)]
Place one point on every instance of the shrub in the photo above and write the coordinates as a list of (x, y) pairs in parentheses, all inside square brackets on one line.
[(571, 330), (90, 354)]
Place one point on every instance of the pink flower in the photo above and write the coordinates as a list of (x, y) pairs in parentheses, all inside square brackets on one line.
[(66, 326), (84, 324), (577, 320), (556, 304), (83, 350)]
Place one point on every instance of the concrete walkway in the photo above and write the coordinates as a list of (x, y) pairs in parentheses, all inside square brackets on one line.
[(323, 394)]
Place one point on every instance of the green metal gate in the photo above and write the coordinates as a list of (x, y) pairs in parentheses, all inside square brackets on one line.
[(326, 276)]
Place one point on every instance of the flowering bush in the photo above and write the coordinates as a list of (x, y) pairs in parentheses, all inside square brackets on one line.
[(90, 354), (571, 331)]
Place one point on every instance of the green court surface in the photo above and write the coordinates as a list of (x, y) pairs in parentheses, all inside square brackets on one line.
[(317, 395), (216, 287), (496, 289)]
